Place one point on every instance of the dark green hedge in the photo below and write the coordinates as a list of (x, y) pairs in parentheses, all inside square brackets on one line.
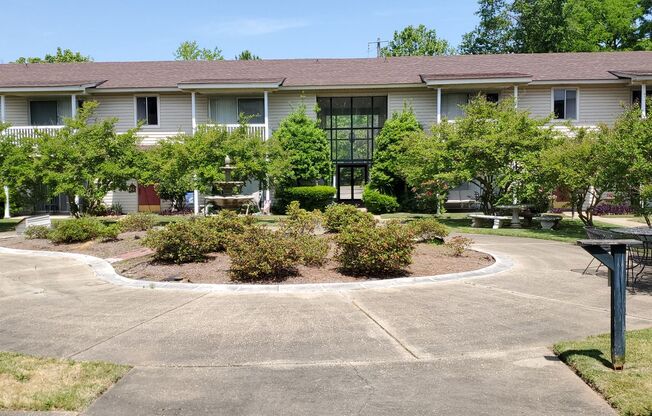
[(309, 197), (378, 203)]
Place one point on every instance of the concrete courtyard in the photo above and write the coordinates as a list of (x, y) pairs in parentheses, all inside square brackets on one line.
[(476, 346)]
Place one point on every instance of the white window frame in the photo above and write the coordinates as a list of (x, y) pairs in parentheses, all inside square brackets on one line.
[(577, 104), (158, 110)]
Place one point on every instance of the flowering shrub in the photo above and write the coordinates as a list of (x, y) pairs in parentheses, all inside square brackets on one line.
[(368, 250), (610, 209)]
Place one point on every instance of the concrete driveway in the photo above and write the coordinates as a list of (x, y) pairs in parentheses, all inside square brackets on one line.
[(477, 346)]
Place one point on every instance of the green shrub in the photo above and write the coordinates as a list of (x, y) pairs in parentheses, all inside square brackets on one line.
[(313, 250), (179, 242), (458, 244), (190, 240), (262, 254), (427, 229), (339, 216), (37, 232), (309, 197), (365, 250), (139, 221), (110, 232), (378, 203), (76, 230), (220, 228), (299, 221)]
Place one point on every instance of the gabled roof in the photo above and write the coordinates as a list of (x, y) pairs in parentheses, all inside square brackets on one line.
[(307, 73)]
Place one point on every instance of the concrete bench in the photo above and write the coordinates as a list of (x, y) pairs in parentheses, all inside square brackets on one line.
[(477, 220), (26, 222), (548, 222)]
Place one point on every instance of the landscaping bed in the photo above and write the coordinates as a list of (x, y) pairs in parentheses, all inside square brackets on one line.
[(428, 260)]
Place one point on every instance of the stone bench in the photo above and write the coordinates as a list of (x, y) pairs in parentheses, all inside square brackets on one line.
[(477, 220), (548, 222)]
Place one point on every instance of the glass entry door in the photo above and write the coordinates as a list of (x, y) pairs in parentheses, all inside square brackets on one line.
[(351, 180)]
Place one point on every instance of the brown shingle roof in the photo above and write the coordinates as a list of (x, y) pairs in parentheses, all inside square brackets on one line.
[(329, 72)]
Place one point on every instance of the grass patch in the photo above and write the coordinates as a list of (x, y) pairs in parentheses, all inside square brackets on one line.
[(569, 230), (40, 384), (629, 391), (8, 224)]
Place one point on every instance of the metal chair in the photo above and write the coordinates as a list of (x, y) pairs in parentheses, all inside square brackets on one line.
[(640, 256)]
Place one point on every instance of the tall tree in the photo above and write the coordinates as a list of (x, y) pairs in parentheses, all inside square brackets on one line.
[(61, 56), (247, 55), (417, 41), (540, 26), (190, 51), (494, 33)]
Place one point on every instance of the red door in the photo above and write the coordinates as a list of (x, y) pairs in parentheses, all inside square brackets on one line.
[(148, 199)]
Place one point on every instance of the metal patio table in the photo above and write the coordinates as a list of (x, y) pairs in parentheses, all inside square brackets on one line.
[(639, 256)]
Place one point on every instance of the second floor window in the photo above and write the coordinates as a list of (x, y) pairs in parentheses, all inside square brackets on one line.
[(564, 104), (147, 110)]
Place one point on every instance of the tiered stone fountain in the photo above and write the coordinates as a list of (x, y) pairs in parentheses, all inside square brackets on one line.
[(229, 199)]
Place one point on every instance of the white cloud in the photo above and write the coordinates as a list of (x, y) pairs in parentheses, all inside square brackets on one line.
[(254, 26)]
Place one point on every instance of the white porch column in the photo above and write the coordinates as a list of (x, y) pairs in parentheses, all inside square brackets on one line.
[(73, 105), (193, 110), (3, 116), (7, 211), (643, 100), (266, 105), (195, 199), (515, 96), (438, 105)]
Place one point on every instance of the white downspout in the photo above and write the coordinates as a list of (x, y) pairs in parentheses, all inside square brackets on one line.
[(643, 100), (73, 105), (6, 188), (438, 105), (266, 136), (193, 109), (515, 96)]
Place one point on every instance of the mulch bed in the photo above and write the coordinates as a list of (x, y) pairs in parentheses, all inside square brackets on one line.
[(428, 260)]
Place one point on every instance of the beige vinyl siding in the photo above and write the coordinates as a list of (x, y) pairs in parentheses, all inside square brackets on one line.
[(17, 111), (174, 110), (535, 100), (602, 104), (128, 200), (281, 104), (423, 103), (201, 109)]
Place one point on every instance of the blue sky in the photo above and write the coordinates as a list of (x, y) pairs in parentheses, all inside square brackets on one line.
[(121, 30)]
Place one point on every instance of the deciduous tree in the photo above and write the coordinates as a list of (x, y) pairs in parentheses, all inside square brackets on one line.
[(61, 56), (190, 51), (417, 41)]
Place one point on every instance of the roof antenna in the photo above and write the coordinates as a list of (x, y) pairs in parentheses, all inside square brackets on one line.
[(378, 48)]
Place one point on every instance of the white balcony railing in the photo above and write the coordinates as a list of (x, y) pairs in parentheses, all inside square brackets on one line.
[(253, 129), (21, 132)]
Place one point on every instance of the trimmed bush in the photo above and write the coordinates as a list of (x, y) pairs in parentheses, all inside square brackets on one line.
[(458, 244), (179, 242), (262, 254), (76, 230), (110, 232), (36, 232), (139, 221), (427, 229), (299, 221), (379, 203), (190, 240), (339, 216), (309, 197), (313, 250), (365, 250)]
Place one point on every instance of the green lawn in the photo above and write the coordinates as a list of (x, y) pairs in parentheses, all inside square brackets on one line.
[(629, 391), (40, 384), (8, 224)]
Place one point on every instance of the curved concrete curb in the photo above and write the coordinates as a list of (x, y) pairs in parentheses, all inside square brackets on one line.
[(106, 272)]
